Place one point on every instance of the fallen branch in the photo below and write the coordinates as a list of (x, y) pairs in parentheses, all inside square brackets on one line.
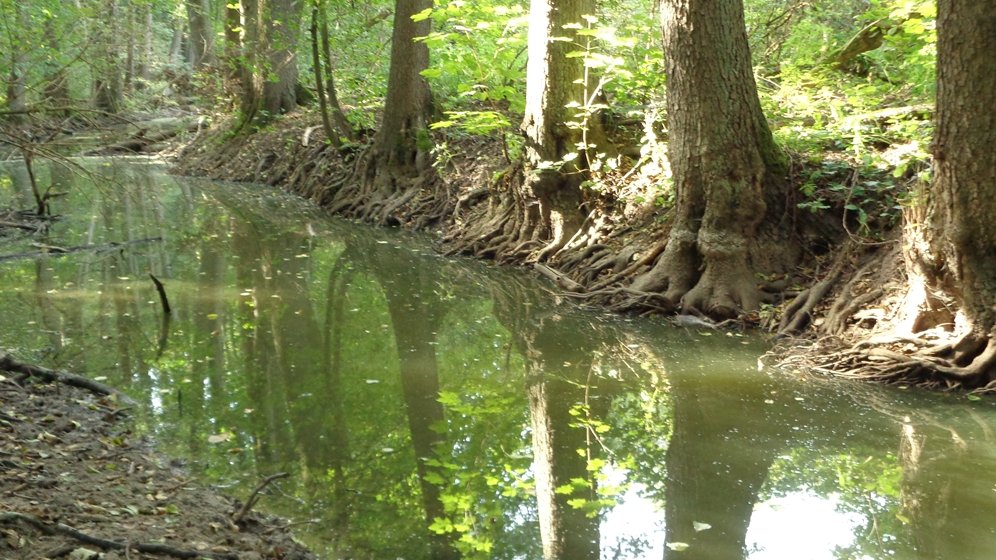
[(558, 278), (162, 293), (106, 544), (60, 251), (8, 363), (254, 497)]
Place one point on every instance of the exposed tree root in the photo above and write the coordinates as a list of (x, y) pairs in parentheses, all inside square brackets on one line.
[(383, 194), (107, 544), (928, 360)]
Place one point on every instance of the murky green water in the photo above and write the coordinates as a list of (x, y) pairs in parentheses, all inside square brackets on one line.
[(435, 408)]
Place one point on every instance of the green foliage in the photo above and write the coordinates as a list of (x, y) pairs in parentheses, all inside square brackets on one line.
[(478, 54), (864, 129)]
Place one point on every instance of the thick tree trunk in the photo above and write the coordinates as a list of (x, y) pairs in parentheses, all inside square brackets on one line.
[(950, 241), (107, 85), (395, 176), (201, 36), (408, 106), (728, 172), (270, 73), (556, 86), (963, 198), (283, 28)]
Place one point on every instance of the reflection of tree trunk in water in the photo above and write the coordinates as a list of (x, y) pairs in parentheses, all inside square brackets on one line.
[(208, 347), (568, 532), (298, 344), (337, 449), (262, 386), (415, 339), (559, 365), (940, 502), (46, 306), (702, 478)]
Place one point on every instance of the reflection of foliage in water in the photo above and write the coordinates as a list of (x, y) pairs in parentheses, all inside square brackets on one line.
[(282, 356), (867, 485)]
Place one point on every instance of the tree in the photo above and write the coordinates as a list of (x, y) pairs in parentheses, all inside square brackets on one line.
[(16, 80), (408, 106), (951, 263), (555, 83), (201, 38), (537, 209), (328, 99), (398, 165), (729, 175), (270, 74), (108, 84)]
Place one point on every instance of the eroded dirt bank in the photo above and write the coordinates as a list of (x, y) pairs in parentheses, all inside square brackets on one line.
[(836, 301), (624, 233)]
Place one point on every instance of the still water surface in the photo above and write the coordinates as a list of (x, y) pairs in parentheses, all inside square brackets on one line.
[(429, 407)]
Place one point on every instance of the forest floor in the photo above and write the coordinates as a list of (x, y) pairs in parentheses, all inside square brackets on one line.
[(77, 482)]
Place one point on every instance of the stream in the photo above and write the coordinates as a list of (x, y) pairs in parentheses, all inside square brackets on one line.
[(429, 407)]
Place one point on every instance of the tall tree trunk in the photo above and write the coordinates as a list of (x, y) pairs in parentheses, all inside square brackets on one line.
[(17, 99), (233, 39), (396, 174), (130, 48), (108, 90), (338, 116), (144, 69), (950, 246), (201, 36), (728, 173), (553, 81), (56, 88), (316, 63), (176, 42), (408, 106), (270, 72), (283, 28)]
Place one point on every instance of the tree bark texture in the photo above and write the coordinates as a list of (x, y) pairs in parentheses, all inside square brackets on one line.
[(408, 106), (553, 80), (270, 74), (962, 202), (283, 23), (201, 36), (107, 85), (728, 172)]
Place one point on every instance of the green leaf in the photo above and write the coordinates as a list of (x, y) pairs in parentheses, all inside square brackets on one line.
[(423, 15)]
